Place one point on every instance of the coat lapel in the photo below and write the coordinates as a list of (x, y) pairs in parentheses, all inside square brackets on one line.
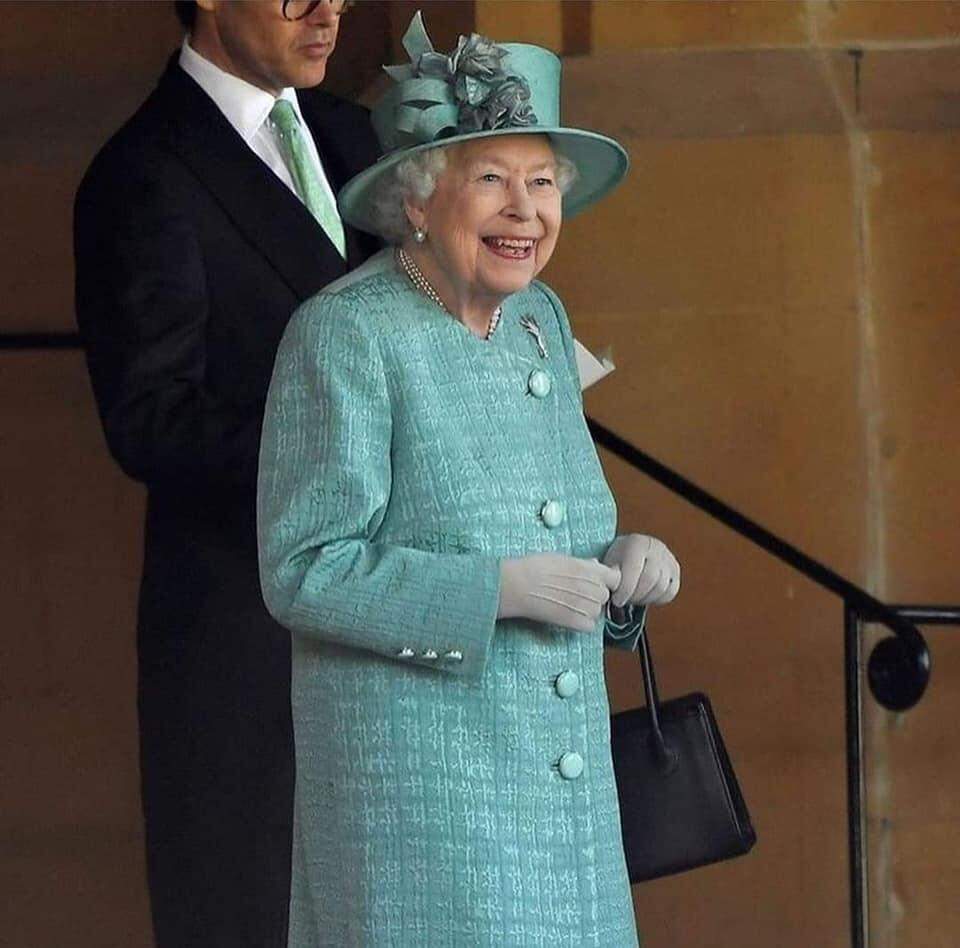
[(260, 205)]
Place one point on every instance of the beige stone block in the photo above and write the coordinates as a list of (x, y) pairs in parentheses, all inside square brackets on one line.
[(55, 123), (36, 268), (915, 212), (920, 454), (666, 94), (714, 93), (913, 89), (764, 898), (74, 886), (521, 21), (737, 225), (763, 416), (915, 825), (70, 554), (70, 831), (849, 21), (926, 879), (915, 215), (71, 760), (445, 22), (638, 24), (87, 39)]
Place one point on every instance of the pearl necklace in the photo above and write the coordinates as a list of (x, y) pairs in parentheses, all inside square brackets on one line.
[(416, 277)]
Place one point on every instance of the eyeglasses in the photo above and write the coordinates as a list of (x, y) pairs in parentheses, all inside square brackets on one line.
[(299, 9)]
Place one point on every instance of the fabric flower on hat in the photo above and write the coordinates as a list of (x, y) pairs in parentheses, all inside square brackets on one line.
[(487, 97), (466, 91), (507, 105), (478, 56)]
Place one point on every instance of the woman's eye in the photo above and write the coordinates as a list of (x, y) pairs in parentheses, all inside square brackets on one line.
[(543, 182), (490, 177)]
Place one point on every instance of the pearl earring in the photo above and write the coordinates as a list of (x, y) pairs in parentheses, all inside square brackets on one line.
[(419, 235)]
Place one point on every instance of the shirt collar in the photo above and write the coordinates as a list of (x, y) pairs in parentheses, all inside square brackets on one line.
[(245, 106)]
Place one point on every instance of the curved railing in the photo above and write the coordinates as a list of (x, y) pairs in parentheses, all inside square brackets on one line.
[(898, 669)]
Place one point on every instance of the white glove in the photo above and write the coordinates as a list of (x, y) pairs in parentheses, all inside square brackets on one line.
[(556, 590), (649, 572)]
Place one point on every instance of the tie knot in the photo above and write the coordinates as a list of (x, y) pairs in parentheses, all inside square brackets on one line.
[(284, 117)]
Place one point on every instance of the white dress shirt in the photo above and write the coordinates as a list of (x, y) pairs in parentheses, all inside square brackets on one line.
[(247, 109)]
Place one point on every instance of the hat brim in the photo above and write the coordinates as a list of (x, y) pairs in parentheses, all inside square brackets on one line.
[(601, 163)]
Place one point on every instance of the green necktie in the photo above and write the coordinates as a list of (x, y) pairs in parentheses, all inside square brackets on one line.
[(305, 175)]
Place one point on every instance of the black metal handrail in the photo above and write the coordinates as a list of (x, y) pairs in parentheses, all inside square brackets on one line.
[(856, 790), (898, 670), (901, 667)]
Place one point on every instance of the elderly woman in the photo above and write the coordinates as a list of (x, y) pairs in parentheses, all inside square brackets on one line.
[(433, 517)]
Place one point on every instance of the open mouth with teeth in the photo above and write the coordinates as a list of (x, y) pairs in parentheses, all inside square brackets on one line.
[(511, 248)]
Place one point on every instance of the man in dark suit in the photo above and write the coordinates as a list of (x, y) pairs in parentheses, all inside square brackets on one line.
[(199, 228)]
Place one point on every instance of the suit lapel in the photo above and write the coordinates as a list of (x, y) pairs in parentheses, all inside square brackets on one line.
[(258, 202)]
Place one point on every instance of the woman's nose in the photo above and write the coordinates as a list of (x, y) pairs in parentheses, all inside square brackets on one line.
[(521, 204)]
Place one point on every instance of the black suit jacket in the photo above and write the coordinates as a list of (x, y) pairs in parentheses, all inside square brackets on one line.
[(191, 256)]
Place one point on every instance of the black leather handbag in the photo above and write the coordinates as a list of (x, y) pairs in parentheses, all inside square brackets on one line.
[(680, 803)]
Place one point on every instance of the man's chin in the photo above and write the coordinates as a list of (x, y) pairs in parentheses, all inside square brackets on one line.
[(308, 76)]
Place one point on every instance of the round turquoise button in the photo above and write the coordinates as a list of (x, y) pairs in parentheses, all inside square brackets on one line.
[(567, 684), (539, 383), (571, 765), (552, 513)]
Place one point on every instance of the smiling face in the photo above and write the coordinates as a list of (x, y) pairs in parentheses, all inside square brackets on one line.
[(252, 40), (492, 222)]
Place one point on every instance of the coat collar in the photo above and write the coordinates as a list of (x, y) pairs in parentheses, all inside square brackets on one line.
[(273, 220)]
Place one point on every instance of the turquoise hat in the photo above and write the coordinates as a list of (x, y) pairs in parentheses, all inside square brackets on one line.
[(480, 90)]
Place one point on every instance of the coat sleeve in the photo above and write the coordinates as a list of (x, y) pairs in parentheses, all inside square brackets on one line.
[(142, 308), (324, 486)]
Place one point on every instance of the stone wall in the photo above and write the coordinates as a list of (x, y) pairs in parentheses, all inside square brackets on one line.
[(778, 279)]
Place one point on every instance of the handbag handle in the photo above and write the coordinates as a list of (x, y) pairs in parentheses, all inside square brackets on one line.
[(632, 624)]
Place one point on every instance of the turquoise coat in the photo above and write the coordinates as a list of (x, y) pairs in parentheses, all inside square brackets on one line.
[(454, 781)]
